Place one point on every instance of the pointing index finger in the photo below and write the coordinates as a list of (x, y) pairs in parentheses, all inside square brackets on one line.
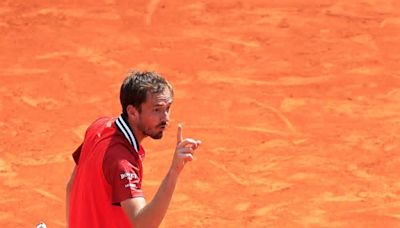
[(179, 134)]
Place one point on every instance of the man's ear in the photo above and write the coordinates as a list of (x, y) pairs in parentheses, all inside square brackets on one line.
[(132, 112)]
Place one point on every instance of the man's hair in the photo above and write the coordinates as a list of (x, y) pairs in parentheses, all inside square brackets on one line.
[(137, 85)]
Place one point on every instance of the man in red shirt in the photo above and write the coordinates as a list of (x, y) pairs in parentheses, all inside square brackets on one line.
[(105, 186)]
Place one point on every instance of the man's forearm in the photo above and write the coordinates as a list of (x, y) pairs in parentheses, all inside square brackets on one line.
[(68, 193), (153, 213)]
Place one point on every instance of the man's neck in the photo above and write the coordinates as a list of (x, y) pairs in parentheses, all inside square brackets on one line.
[(136, 132), (139, 137)]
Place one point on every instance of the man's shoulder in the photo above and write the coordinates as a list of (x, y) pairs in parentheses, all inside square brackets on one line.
[(120, 155), (118, 149), (99, 124), (104, 121)]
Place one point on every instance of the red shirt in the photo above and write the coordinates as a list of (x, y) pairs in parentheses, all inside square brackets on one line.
[(109, 171)]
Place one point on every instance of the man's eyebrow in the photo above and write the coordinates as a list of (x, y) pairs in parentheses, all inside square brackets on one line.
[(162, 104)]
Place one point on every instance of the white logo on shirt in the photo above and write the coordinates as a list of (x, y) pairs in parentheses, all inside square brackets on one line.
[(130, 186), (129, 176)]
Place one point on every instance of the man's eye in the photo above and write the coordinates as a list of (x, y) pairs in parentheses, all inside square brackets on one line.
[(157, 109)]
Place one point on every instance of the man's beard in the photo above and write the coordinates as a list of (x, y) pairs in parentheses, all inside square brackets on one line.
[(154, 135), (157, 135)]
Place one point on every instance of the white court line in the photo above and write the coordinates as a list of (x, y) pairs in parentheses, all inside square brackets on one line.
[(151, 8)]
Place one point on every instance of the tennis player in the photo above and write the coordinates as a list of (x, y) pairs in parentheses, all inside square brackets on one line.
[(105, 188)]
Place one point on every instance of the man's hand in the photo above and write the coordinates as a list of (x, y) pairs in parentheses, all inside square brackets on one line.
[(151, 215), (184, 151)]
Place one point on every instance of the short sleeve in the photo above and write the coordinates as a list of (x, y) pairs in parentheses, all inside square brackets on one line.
[(77, 154), (125, 180)]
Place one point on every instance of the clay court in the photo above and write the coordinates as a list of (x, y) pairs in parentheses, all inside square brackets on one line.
[(297, 104)]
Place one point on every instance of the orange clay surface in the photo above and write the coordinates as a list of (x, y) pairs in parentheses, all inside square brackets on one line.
[(297, 103)]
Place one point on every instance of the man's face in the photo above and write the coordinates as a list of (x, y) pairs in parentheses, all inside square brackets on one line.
[(154, 115)]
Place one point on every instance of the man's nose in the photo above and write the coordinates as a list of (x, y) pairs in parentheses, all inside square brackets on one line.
[(165, 116)]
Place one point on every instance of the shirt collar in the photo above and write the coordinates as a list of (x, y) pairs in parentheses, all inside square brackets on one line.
[(123, 126)]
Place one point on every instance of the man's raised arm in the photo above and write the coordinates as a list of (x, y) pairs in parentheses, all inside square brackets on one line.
[(151, 215)]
